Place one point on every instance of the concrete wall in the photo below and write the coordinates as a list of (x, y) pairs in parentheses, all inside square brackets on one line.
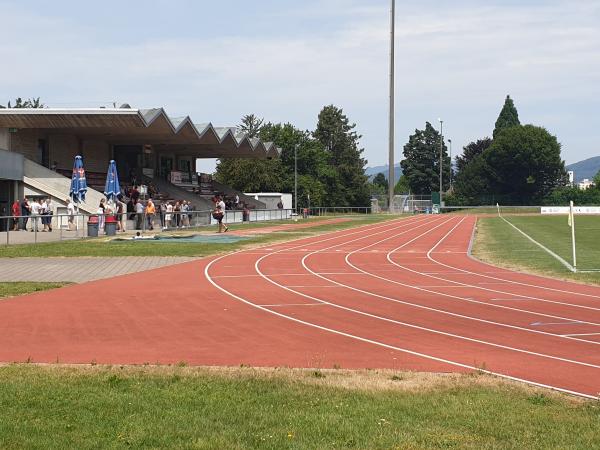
[(96, 155), (25, 142), (62, 149), (11, 166)]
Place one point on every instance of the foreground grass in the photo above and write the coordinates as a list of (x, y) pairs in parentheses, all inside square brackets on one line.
[(101, 247), (178, 407), (500, 244), (11, 289)]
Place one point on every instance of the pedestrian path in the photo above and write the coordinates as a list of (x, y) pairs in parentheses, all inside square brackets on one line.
[(80, 270)]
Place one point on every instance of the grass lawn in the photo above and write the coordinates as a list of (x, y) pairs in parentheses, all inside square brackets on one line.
[(180, 407), (500, 244), (102, 246), (11, 289)]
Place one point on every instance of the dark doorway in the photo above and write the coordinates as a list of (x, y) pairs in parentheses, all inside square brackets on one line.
[(43, 154), (166, 166), (129, 162)]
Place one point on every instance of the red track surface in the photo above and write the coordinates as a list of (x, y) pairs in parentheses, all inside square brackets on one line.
[(403, 294)]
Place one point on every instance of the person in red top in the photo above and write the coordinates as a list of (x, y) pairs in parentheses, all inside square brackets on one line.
[(16, 212)]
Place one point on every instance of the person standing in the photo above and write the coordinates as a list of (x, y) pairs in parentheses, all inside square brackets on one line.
[(162, 211), (121, 216), (70, 214), (150, 211), (16, 212), (43, 212), (35, 212), (49, 213), (25, 212), (220, 210), (169, 216), (139, 214), (101, 213)]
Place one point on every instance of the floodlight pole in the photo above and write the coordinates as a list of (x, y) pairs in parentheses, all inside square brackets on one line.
[(441, 160), (296, 178), (391, 174)]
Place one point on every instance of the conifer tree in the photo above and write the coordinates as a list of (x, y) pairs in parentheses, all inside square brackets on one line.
[(421, 164), (509, 117)]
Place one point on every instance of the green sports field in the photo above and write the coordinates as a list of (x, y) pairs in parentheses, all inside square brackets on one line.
[(499, 243)]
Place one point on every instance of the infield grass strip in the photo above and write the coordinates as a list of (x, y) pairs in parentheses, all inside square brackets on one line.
[(101, 247), (11, 289), (500, 244), (179, 407)]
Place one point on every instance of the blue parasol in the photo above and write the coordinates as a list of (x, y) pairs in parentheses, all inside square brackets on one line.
[(78, 183), (112, 188)]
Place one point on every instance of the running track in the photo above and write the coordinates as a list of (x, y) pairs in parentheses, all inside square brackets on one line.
[(403, 294)]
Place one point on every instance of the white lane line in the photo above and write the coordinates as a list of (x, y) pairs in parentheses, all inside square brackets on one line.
[(506, 272), (467, 299), (293, 304), (378, 343), (256, 275), (495, 290), (546, 249), (573, 322), (422, 328), (582, 334)]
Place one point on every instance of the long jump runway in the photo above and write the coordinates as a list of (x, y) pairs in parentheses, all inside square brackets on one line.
[(403, 294)]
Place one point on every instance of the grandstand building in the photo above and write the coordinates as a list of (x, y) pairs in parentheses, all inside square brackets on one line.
[(38, 146)]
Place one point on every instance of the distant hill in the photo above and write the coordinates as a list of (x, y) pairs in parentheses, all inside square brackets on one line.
[(587, 168), (372, 171)]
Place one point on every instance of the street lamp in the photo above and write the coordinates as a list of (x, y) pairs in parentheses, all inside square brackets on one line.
[(441, 151), (391, 173), (450, 143)]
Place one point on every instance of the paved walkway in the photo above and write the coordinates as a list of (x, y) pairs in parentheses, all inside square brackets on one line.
[(79, 270)]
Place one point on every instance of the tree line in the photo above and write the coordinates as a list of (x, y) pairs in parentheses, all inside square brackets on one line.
[(330, 165), (519, 165)]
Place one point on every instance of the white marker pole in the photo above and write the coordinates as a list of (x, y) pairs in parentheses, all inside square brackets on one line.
[(572, 216)]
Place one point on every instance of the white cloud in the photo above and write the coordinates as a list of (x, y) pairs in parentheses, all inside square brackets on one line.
[(456, 61)]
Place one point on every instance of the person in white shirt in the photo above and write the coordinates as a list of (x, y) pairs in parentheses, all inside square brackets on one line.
[(168, 216), (139, 215), (71, 213), (48, 212), (220, 208), (35, 212)]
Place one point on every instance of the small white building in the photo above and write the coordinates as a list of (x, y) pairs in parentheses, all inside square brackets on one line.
[(271, 199), (585, 184)]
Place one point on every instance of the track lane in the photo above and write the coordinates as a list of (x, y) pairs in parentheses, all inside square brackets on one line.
[(321, 315)]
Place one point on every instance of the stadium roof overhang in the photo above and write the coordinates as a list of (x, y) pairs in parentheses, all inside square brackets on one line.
[(123, 126)]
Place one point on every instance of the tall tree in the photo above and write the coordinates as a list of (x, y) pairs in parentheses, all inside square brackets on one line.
[(524, 164), (348, 185), (509, 117), (251, 175), (381, 181), (471, 151), (251, 125), (421, 164)]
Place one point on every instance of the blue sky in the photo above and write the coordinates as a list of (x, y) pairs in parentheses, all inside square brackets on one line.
[(284, 60)]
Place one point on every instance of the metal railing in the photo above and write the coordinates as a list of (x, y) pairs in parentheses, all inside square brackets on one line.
[(34, 229), (334, 210)]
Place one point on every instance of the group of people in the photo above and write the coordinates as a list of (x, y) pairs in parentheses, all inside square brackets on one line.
[(33, 210), (176, 214)]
